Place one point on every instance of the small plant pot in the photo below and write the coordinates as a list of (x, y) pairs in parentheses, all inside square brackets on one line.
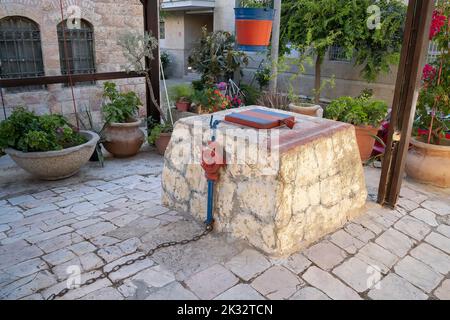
[(123, 140), (56, 165), (162, 142), (183, 106), (429, 163), (366, 141)]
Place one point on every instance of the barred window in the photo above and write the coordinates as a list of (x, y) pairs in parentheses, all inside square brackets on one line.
[(162, 30), (76, 47), (337, 53), (20, 50)]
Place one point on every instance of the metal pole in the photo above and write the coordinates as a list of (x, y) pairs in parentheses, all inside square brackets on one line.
[(275, 43)]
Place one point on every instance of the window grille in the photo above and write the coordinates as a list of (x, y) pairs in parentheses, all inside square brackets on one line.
[(433, 52), (79, 39), (20, 50), (337, 53), (162, 30)]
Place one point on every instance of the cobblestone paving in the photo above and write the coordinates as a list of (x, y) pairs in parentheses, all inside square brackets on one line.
[(51, 230)]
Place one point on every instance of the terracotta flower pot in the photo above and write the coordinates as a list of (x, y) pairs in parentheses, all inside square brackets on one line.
[(183, 106), (365, 140), (429, 163), (56, 165), (123, 139), (162, 142)]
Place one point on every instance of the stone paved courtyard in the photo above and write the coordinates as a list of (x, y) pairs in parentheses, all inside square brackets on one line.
[(49, 230)]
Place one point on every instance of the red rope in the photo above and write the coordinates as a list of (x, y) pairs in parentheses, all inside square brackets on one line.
[(69, 73)]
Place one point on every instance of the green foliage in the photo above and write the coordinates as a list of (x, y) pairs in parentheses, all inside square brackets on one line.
[(215, 57), (182, 92), (27, 132), (433, 107), (255, 4), (357, 111), (156, 129), (263, 76), (251, 94), (120, 107), (165, 59), (312, 26)]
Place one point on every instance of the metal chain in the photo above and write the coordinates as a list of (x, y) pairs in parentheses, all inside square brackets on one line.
[(104, 274)]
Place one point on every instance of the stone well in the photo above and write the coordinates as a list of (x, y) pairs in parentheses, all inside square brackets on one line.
[(281, 189)]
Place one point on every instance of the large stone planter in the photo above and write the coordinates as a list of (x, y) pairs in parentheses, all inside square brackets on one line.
[(55, 165), (123, 139), (429, 163), (281, 189)]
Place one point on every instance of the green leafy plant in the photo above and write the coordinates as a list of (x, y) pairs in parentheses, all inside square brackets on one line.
[(119, 107), (263, 76), (165, 60), (313, 26), (182, 93), (360, 111), (251, 94), (215, 57), (156, 129), (255, 3), (433, 108), (28, 132)]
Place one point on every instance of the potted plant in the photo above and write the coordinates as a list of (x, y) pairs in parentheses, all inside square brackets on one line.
[(122, 135), (254, 19), (364, 113), (46, 146), (137, 46), (428, 159), (182, 94), (160, 134)]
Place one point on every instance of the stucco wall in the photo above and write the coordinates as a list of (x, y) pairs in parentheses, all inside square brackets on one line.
[(224, 15), (109, 18), (347, 78)]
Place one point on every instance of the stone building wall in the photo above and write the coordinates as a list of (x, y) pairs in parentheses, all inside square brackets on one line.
[(109, 19)]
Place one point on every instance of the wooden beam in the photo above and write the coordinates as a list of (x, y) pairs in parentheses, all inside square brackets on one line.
[(151, 25), (19, 82), (415, 46)]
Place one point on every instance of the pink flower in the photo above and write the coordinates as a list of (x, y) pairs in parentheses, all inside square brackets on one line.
[(429, 72), (437, 23)]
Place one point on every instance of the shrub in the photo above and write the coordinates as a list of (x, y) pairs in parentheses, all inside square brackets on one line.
[(357, 111), (255, 4), (263, 76), (182, 92), (120, 107), (215, 57), (274, 100), (27, 132), (251, 94), (433, 107)]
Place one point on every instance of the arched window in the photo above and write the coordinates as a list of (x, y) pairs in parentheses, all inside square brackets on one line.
[(20, 48), (79, 46)]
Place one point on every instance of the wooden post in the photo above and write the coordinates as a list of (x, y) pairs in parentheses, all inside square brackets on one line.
[(151, 25), (275, 44), (415, 44)]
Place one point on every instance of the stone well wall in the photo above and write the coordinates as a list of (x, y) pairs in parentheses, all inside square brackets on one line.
[(314, 187)]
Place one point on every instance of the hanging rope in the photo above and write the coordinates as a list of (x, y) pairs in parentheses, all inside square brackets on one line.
[(69, 73)]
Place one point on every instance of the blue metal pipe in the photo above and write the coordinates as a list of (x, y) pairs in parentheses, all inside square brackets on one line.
[(209, 215)]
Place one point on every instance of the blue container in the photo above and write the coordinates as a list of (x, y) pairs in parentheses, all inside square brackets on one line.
[(253, 28)]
